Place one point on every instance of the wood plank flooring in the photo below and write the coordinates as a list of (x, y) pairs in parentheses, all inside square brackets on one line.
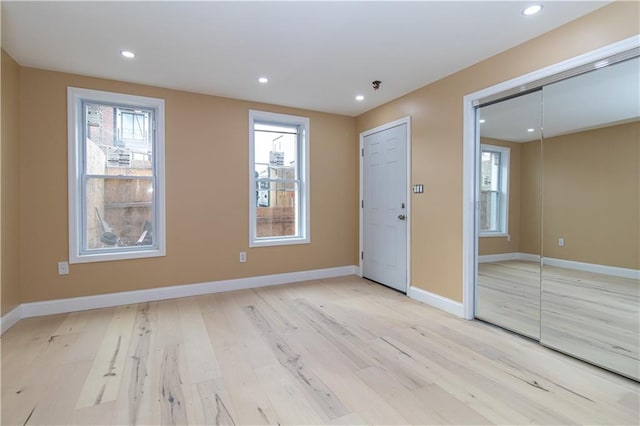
[(509, 295), (592, 316), (337, 351)]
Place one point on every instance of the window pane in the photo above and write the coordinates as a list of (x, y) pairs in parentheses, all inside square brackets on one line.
[(489, 211), (118, 142), (490, 171), (276, 212), (278, 150), (119, 213)]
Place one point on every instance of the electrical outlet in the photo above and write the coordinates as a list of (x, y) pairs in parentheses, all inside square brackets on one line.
[(560, 242), (243, 256), (63, 268)]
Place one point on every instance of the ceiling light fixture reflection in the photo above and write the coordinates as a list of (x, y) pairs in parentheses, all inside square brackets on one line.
[(532, 10), (128, 54), (531, 130), (263, 80), (482, 120), (359, 98), (600, 64)]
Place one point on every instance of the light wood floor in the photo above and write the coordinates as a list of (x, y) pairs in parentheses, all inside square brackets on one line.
[(509, 295), (339, 351), (592, 316)]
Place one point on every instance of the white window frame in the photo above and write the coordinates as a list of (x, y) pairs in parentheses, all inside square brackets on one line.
[(75, 122), (505, 177), (302, 212)]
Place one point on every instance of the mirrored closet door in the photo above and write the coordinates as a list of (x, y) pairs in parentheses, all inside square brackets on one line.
[(591, 221), (508, 280), (558, 222)]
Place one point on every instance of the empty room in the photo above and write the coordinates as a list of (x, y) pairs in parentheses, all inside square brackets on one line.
[(344, 212)]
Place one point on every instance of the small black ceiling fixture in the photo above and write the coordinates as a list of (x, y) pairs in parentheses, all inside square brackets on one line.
[(376, 84)]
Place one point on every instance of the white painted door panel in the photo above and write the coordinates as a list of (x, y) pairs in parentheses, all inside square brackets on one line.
[(384, 212)]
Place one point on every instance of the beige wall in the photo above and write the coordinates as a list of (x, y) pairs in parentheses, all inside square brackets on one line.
[(10, 274), (206, 193), (591, 196), (496, 245), (436, 136), (591, 191), (530, 208), (207, 176), (524, 201)]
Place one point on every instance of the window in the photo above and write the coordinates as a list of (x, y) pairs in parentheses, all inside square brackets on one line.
[(116, 176), (494, 190), (279, 179)]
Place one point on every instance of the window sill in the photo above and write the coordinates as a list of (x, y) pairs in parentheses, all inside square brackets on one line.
[(494, 234), (122, 255), (278, 242)]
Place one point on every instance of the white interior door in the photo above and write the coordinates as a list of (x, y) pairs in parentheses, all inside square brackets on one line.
[(384, 215)]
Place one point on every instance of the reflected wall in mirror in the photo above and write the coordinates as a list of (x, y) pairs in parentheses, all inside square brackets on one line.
[(591, 217), (508, 279)]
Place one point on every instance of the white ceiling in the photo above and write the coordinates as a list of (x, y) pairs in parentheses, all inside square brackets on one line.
[(318, 55), (606, 96)]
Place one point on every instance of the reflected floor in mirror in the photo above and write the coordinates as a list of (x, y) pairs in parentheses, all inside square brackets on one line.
[(335, 351), (509, 295), (593, 316)]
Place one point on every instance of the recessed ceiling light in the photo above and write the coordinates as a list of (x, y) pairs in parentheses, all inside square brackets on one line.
[(263, 80), (128, 54), (531, 130), (482, 120), (532, 10), (359, 98)]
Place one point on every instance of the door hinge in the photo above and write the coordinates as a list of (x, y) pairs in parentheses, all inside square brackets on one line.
[(362, 152), (362, 204), (362, 255)]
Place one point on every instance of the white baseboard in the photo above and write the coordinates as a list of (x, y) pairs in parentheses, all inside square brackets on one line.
[(529, 257), (437, 301), (9, 319), (615, 271), (501, 257), (58, 306)]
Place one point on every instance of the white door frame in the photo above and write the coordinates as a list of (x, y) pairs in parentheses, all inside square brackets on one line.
[(405, 120), (470, 155)]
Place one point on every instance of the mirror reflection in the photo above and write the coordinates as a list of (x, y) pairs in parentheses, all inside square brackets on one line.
[(508, 280), (591, 236), (559, 216)]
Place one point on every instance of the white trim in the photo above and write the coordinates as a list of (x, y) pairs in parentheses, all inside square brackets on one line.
[(469, 204), (502, 257), (304, 227), (9, 319), (75, 96), (470, 158), (614, 271), (58, 306), (437, 301), (404, 120), (529, 257)]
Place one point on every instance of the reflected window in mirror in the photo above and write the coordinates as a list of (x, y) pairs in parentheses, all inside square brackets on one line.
[(494, 190)]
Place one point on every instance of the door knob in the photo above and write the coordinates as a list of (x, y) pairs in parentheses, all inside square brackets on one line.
[(401, 217)]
